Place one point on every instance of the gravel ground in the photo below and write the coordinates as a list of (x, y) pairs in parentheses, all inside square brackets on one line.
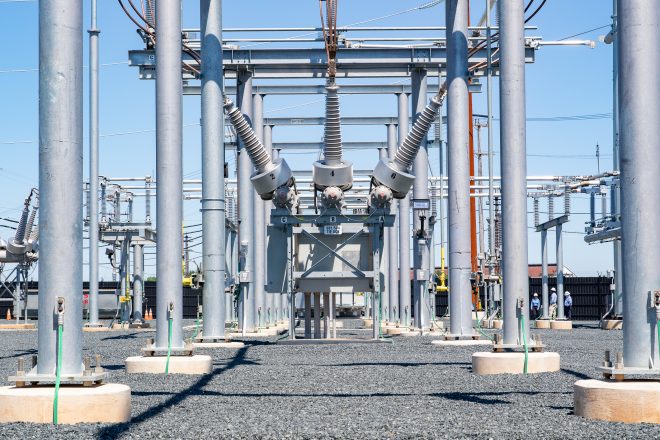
[(406, 389)]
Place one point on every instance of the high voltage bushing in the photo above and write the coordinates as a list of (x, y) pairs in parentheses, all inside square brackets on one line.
[(567, 202), (536, 212), (395, 174), (551, 207), (332, 171), (270, 175)]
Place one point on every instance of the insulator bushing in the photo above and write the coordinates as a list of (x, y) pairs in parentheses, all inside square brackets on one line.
[(253, 146), (332, 136), (388, 174), (279, 174), (325, 175), (551, 207), (536, 212), (405, 154), (567, 202)]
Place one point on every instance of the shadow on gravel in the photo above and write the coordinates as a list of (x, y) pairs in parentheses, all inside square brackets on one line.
[(393, 364), (126, 336), (21, 353), (576, 373), (114, 431), (483, 398)]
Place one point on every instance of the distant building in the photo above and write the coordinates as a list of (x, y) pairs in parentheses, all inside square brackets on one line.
[(534, 271)]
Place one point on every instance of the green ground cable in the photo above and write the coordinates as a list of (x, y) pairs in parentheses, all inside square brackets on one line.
[(524, 338), (196, 332), (58, 373), (169, 346), (479, 329)]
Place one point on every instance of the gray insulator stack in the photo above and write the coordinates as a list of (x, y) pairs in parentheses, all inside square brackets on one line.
[(536, 212), (332, 135), (567, 202), (405, 155), (30, 223), (551, 207), (20, 229), (253, 146)]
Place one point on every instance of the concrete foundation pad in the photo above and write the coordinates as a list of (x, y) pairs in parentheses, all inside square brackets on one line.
[(396, 331), (218, 344), (142, 326), (543, 324), (561, 325), (98, 329), (611, 324), (484, 363), (462, 343), (367, 323), (497, 323), (18, 326), (106, 403), (197, 364), (630, 401), (260, 334)]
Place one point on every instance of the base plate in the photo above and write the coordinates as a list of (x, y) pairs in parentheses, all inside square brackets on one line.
[(634, 401)]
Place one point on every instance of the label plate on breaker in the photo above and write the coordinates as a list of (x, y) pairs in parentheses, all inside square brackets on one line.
[(331, 229)]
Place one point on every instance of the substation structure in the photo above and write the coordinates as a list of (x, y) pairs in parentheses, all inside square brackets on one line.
[(289, 243)]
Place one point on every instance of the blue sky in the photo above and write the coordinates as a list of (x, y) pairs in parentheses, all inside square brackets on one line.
[(564, 81)]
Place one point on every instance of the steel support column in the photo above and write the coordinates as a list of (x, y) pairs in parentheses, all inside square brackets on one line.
[(138, 281), (93, 207), (560, 271), (385, 266), (213, 182), (420, 191), (259, 225), (169, 174), (513, 162), (60, 183), (404, 225), (246, 195), (392, 241), (458, 159), (639, 113), (544, 273)]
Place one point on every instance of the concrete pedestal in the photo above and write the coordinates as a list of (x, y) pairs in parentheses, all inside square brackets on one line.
[(107, 403), (197, 364), (395, 331), (611, 324), (260, 334), (484, 363), (497, 323), (630, 401), (367, 323), (17, 326), (561, 325), (218, 344), (543, 323), (461, 342)]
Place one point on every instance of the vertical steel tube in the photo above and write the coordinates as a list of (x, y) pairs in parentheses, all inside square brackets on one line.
[(259, 224), (308, 315), (544, 273), (93, 207), (213, 161), (560, 272), (138, 281), (491, 161), (326, 315), (317, 315), (616, 193), (513, 162), (169, 173), (392, 241), (281, 300), (639, 113), (420, 191), (272, 299), (404, 225), (458, 160), (246, 194), (385, 261), (60, 182)]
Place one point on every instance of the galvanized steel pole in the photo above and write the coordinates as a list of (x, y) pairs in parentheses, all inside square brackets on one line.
[(420, 191), (93, 207), (169, 174), (272, 300), (513, 162), (639, 113), (560, 272), (404, 225), (616, 193), (392, 240), (246, 194), (458, 160), (213, 181), (385, 261), (259, 224), (544, 273), (60, 182), (138, 281)]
